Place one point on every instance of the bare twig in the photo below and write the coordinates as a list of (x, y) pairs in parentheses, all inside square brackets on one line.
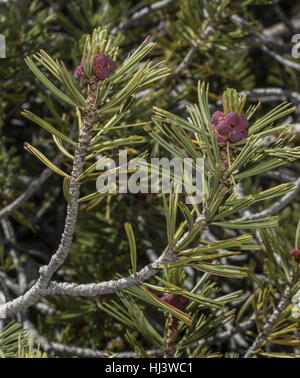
[(141, 13), (9, 283), (74, 351), (280, 58), (32, 188), (10, 236), (277, 207), (272, 94), (92, 353), (287, 22), (281, 28), (190, 54), (279, 176), (260, 37), (233, 330)]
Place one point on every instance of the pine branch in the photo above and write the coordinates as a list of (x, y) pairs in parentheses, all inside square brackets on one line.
[(74, 351), (85, 136), (39, 291), (46, 272), (286, 21), (192, 51), (263, 335)]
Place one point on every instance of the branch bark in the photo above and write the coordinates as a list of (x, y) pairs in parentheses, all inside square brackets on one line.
[(32, 188), (37, 292), (171, 337), (276, 207)]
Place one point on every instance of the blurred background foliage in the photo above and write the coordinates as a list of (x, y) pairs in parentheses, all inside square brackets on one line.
[(221, 53)]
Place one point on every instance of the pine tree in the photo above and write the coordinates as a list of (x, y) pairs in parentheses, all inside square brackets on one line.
[(96, 274)]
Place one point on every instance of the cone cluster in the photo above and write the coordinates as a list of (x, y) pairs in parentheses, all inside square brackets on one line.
[(229, 127), (103, 66), (175, 300)]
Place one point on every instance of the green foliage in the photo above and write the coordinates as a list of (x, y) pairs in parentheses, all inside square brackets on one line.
[(17, 343), (234, 271)]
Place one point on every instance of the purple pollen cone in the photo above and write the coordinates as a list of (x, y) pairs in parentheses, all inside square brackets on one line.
[(231, 118), (221, 139), (295, 253), (102, 67), (235, 135), (79, 71), (111, 65), (100, 59), (243, 123), (223, 128), (217, 116), (244, 134), (175, 300), (229, 127), (100, 72)]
